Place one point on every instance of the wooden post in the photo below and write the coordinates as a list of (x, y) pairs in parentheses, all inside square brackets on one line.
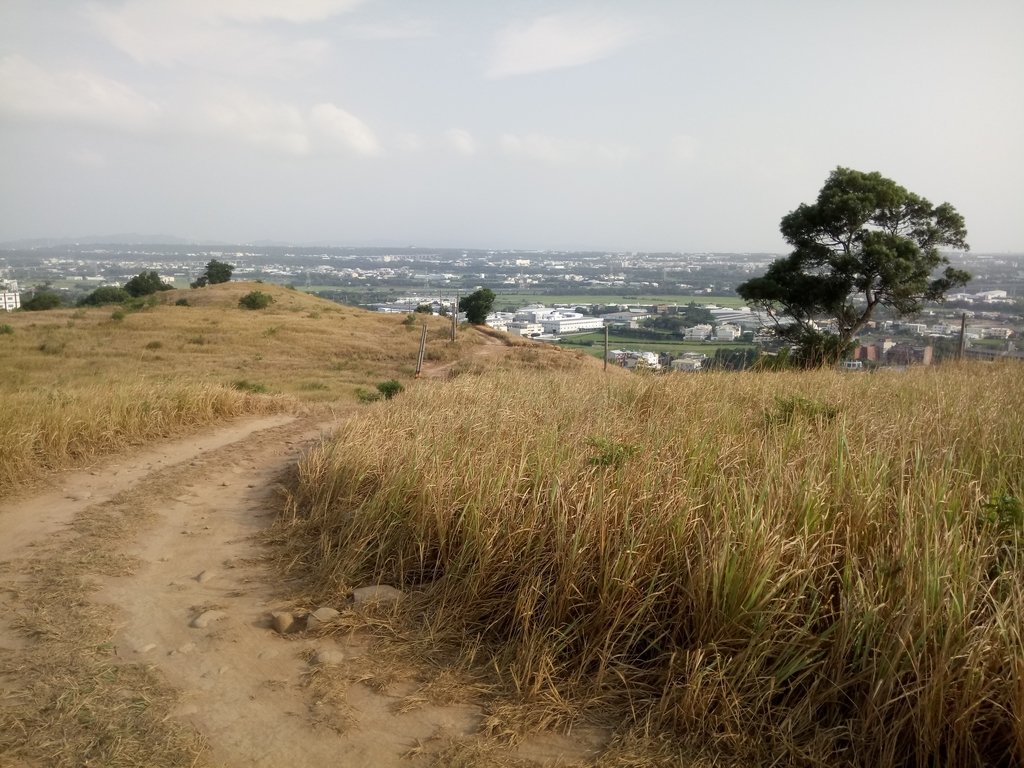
[(423, 347)]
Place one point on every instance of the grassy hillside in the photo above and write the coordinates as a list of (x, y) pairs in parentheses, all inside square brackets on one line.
[(78, 383), (798, 568)]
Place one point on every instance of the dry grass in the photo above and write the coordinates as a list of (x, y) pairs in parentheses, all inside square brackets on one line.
[(301, 345), (798, 568), (77, 384)]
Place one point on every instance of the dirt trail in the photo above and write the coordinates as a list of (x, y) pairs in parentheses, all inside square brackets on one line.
[(243, 686)]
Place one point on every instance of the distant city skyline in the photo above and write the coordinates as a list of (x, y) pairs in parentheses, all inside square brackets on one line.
[(641, 126)]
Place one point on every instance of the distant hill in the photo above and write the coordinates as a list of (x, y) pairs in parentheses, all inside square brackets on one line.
[(131, 238)]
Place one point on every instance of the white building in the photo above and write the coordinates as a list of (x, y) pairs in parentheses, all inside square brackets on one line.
[(727, 332), (990, 295), (741, 316), (687, 364), (559, 321), (524, 328), (629, 358), (10, 298), (698, 332), (996, 333)]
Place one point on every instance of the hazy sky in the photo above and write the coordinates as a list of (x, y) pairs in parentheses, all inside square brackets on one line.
[(643, 125)]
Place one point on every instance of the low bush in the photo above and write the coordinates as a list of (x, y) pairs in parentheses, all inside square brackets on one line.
[(388, 389), (43, 300), (256, 300), (367, 395), (244, 385), (6, 329), (106, 294)]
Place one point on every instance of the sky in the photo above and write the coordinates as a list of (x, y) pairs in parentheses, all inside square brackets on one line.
[(647, 125)]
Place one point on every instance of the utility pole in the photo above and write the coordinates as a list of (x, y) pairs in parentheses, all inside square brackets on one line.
[(963, 338), (606, 346), (455, 316)]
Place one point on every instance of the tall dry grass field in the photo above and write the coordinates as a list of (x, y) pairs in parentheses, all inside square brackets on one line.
[(811, 568), (78, 383)]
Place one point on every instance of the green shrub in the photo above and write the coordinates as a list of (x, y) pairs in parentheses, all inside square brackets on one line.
[(181, 303), (154, 345), (608, 453), (105, 294), (43, 300), (244, 385), (367, 395), (117, 314), (6, 329), (792, 407), (389, 388), (256, 300)]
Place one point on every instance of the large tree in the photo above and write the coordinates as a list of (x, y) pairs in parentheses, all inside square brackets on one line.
[(215, 272), (145, 283), (866, 242), (477, 305)]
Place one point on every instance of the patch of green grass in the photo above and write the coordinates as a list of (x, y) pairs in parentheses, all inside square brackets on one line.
[(244, 385)]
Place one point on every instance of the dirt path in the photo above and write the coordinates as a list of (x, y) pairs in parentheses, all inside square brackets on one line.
[(257, 697)]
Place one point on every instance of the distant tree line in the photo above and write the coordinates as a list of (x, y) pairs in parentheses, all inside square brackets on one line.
[(143, 284)]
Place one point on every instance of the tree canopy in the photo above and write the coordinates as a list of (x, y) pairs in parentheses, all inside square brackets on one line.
[(43, 300), (105, 294), (145, 283), (215, 272), (866, 242), (477, 305)]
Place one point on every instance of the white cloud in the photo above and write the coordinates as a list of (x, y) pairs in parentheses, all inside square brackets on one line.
[(409, 142), (461, 141), (241, 116), (408, 29), (554, 151), (295, 11), (88, 158), (344, 128), (71, 95), (557, 41), (682, 148), (220, 35)]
